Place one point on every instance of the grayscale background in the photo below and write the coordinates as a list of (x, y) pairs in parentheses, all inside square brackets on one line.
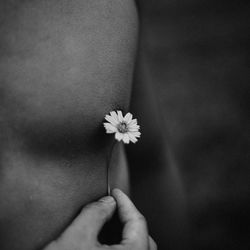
[(194, 56)]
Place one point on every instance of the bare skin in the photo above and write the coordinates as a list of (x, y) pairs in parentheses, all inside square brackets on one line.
[(63, 65)]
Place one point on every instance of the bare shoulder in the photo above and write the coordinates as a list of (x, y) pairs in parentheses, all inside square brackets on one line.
[(65, 63)]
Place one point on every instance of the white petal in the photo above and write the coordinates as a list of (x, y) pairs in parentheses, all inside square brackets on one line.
[(132, 138), (126, 138), (120, 116), (114, 116), (128, 118), (133, 130), (110, 128), (133, 122), (119, 136), (133, 127), (136, 134), (111, 120)]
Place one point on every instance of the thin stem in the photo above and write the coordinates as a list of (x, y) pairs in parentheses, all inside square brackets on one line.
[(108, 166)]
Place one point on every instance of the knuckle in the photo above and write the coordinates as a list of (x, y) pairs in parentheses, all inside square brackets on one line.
[(51, 246), (132, 246), (103, 213), (54, 245), (93, 207), (153, 245), (138, 245), (102, 209), (89, 207), (142, 219)]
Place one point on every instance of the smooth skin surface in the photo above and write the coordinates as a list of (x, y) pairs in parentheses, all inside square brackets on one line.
[(63, 66)]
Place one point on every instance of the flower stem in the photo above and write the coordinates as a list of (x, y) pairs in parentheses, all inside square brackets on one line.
[(108, 166)]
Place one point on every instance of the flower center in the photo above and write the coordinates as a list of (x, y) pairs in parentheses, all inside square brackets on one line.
[(122, 127)]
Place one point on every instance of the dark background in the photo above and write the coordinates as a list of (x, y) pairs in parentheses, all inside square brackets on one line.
[(191, 172)]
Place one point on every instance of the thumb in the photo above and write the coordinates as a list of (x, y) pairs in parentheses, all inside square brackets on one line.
[(91, 219)]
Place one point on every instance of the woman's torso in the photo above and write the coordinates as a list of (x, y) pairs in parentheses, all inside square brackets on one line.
[(64, 65)]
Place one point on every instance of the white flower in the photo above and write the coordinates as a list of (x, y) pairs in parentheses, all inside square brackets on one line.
[(125, 128)]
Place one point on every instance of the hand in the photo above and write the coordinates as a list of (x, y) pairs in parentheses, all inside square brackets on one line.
[(82, 233)]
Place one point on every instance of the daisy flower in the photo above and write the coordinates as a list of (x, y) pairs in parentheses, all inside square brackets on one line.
[(125, 127)]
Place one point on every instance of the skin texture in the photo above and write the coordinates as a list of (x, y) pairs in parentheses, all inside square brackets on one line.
[(63, 66)]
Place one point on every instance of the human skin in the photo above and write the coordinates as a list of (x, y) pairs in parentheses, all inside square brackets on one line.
[(82, 233), (63, 66)]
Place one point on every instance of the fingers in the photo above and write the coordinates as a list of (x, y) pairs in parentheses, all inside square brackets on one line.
[(82, 233), (152, 244), (135, 227), (91, 219)]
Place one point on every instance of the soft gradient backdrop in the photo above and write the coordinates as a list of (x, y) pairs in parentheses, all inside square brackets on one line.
[(194, 60)]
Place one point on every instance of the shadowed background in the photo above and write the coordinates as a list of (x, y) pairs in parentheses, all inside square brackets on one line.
[(194, 62)]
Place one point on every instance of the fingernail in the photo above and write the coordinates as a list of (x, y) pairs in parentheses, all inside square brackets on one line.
[(116, 191), (107, 199)]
